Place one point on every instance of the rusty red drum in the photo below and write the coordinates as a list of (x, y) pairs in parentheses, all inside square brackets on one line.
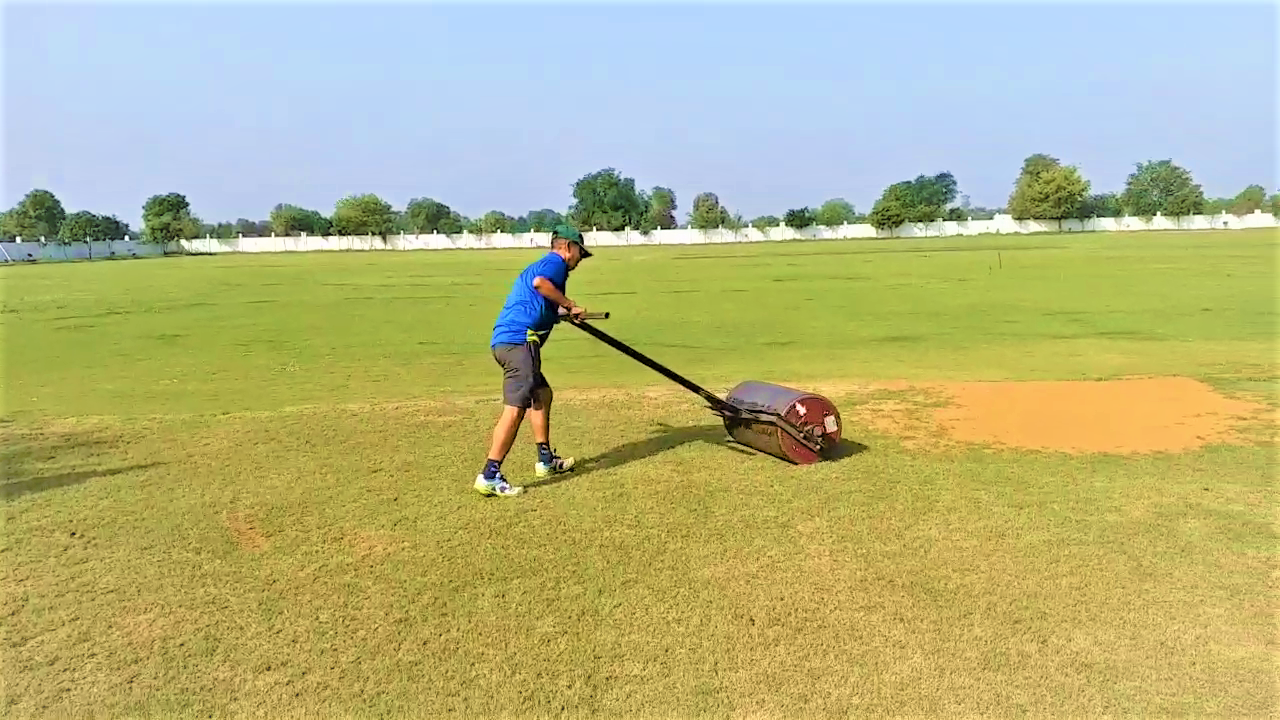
[(812, 413)]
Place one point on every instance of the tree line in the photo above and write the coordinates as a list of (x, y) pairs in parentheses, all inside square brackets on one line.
[(1045, 189)]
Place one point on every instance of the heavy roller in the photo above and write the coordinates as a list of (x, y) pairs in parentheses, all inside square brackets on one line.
[(799, 427)]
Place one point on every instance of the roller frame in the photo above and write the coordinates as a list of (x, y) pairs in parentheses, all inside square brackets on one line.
[(716, 404)]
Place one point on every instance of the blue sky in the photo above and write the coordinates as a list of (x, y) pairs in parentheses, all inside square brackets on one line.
[(486, 106)]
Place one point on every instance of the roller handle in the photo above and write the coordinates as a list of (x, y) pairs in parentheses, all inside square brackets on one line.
[(585, 316)]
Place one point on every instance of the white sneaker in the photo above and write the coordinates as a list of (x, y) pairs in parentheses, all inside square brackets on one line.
[(555, 467), (498, 487)]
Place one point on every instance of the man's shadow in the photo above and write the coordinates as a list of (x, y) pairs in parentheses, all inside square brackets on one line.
[(12, 488), (669, 438)]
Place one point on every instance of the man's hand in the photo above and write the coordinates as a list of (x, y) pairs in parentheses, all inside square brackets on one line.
[(572, 313), (548, 290)]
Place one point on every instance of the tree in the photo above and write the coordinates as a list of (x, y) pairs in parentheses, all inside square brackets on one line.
[(471, 225), (969, 211), (424, 216), (1161, 187), (708, 213), (221, 230), (661, 213), (1046, 189), (251, 228), (78, 227), (495, 221), (930, 195), (834, 212), (924, 199), (320, 225), (365, 214), (1035, 164), (451, 224), (285, 219), (544, 220), (606, 200), (38, 214), (1251, 198), (799, 218), (1100, 205), (288, 219), (110, 227), (1217, 206), (537, 221), (1274, 201), (84, 226), (893, 208), (1058, 193), (978, 212), (168, 217), (765, 221)]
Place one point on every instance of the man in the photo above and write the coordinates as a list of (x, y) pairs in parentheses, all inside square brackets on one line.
[(519, 334)]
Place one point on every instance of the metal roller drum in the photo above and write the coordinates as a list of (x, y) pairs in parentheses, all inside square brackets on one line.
[(792, 425), (813, 414)]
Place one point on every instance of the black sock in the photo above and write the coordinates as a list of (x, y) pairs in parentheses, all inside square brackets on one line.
[(491, 468), (544, 452)]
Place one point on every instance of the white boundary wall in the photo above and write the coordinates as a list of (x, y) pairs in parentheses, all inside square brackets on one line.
[(999, 225), (60, 252)]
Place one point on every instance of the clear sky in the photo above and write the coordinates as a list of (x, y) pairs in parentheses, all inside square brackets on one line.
[(486, 106)]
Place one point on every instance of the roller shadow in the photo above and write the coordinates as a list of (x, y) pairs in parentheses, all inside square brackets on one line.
[(846, 449), (42, 483), (669, 438)]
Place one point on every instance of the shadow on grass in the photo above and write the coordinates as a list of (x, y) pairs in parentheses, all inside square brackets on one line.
[(846, 449), (12, 489), (669, 438)]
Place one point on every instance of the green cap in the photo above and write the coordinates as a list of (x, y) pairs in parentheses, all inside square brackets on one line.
[(570, 233)]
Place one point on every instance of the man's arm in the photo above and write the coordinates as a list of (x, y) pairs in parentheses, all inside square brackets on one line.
[(549, 291)]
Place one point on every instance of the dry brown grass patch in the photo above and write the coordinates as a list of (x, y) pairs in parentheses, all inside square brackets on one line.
[(244, 531), (374, 545)]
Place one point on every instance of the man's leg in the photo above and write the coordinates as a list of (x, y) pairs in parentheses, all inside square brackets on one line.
[(540, 418), (505, 432), (517, 390), (540, 415)]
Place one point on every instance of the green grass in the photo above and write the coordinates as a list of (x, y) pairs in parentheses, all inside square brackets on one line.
[(240, 486), (223, 334)]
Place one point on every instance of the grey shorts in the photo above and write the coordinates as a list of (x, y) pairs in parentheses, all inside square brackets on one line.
[(521, 373)]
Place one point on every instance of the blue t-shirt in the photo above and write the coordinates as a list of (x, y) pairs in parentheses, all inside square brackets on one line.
[(527, 315)]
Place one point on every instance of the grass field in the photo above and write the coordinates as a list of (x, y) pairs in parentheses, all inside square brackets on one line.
[(241, 486)]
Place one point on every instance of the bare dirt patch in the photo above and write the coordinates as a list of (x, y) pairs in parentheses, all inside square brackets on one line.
[(1146, 415), (374, 545), (244, 532)]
